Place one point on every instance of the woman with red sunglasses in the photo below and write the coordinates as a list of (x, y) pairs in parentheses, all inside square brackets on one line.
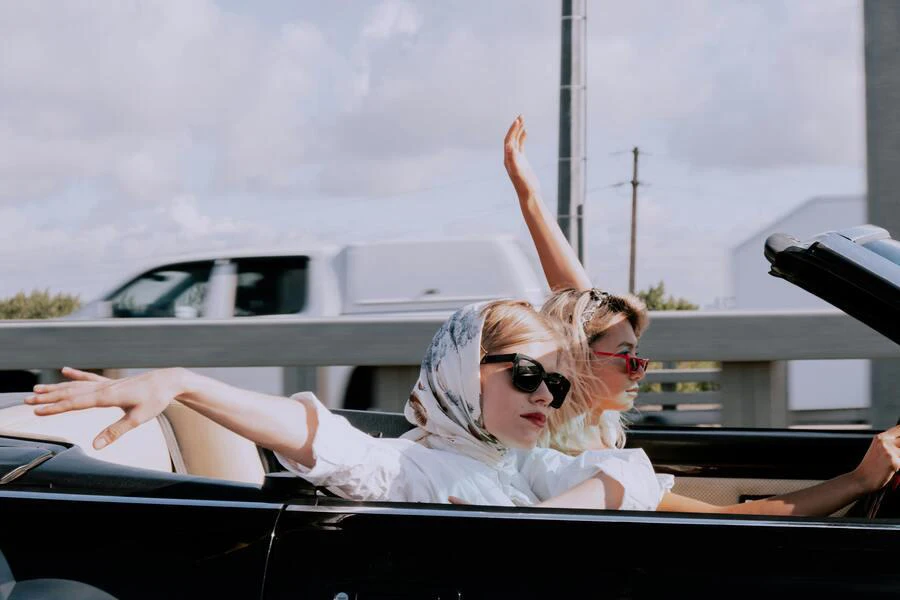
[(604, 330)]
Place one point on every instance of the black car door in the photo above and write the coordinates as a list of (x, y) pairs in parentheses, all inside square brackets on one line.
[(138, 547), (358, 551)]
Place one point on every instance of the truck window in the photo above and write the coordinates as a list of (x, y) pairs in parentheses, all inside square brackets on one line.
[(270, 286), (159, 293)]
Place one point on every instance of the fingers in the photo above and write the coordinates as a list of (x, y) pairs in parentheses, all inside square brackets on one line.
[(882, 460), (522, 138), (62, 397), (455, 500), (891, 437), (114, 432), (79, 375), (52, 392), (41, 393), (512, 135), (61, 403)]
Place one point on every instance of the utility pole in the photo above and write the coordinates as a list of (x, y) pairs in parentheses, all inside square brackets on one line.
[(572, 134), (634, 187)]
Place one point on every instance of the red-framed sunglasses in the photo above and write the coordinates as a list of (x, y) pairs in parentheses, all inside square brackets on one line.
[(633, 364)]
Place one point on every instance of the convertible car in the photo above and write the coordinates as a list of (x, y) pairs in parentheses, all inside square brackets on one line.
[(188, 510)]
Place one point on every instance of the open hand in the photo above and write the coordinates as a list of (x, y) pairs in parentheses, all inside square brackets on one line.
[(881, 461), (516, 163), (142, 398)]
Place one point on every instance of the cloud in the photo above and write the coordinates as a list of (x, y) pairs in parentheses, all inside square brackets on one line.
[(391, 18), (129, 95), (87, 259), (126, 93), (737, 86), (188, 219)]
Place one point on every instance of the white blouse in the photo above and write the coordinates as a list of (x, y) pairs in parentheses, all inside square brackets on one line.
[(357, 466)]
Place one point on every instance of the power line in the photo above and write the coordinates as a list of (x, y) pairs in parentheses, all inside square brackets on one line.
[(606, 187)]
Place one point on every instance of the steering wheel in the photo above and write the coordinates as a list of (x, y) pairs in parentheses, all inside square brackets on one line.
[(883, 504)]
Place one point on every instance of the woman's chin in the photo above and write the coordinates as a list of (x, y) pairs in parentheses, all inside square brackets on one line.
[(622, 403), (525, 441)]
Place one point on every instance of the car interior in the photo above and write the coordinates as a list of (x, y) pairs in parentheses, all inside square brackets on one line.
[(719, 466)]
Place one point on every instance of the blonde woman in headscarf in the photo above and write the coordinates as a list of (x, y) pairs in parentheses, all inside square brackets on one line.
[(604, 330), (488, 383)]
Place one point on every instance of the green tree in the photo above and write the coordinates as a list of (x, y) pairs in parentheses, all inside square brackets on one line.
[(655, 299), (38, 305)]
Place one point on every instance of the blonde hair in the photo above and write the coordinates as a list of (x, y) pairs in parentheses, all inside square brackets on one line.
[(512, 322), (577, 425)]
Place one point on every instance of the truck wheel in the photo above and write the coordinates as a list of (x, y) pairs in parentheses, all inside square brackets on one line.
[(17, 381), (360, 394)]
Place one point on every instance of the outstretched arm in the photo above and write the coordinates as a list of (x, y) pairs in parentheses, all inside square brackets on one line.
[(280, 424), (559, 261), (880, 463)]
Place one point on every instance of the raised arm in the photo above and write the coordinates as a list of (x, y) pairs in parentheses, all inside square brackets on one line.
[(280, 424), (559, 261)]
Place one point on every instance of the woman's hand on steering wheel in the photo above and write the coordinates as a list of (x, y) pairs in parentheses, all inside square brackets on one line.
[(881, 461), (142, 397), (516, 163)]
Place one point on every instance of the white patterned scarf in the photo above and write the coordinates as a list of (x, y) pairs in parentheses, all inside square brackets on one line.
[(445, 403)]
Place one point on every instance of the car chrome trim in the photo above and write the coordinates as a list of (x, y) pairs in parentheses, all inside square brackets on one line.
[(14, 474), (667, 519), (22, 495)]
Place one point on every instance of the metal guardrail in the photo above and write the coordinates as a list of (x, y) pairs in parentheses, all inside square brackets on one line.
[(734, 336), (705, 407), (751, 346), (673, 407)]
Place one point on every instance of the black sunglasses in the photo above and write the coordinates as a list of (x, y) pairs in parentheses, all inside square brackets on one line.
[(527, 375)]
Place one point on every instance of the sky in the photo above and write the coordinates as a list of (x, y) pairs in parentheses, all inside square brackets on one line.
[(132, 131)]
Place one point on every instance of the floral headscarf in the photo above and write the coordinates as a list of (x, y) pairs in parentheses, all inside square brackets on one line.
[(445, 404)]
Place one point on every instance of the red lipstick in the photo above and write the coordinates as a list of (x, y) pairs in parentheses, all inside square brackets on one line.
[(539, 419)]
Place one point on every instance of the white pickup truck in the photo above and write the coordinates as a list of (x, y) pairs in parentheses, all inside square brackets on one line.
[(374, 278)]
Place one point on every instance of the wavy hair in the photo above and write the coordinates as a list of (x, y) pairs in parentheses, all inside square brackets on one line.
[(578, 425)]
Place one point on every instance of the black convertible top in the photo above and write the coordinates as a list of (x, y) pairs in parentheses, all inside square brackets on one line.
[(856, 270)]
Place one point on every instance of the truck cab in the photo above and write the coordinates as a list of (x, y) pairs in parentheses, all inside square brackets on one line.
[(249, 283)]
